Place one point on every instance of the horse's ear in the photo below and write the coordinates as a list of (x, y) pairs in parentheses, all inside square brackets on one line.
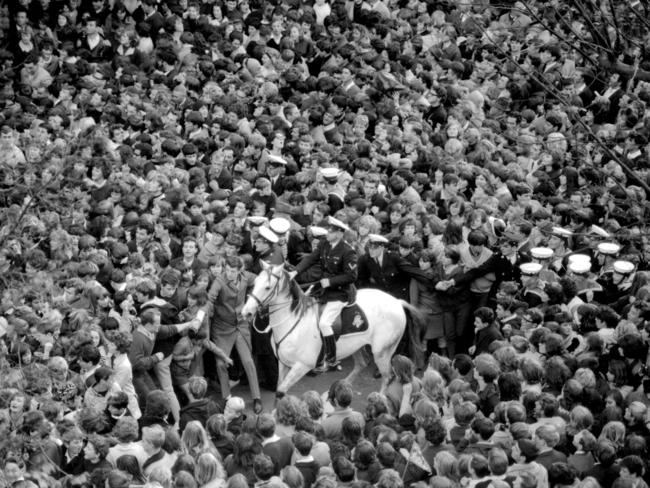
[(264, 264)]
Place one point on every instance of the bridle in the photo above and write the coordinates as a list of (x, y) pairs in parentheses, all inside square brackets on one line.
[(274, 291)]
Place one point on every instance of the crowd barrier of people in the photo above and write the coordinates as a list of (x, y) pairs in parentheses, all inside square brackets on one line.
[(481, 160)]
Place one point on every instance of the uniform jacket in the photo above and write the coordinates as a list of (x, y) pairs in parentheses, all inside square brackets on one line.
[(393, 276), (338, 264), (273, 257)]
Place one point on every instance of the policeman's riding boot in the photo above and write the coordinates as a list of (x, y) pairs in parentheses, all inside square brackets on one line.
[(330, 363), (330, 353)]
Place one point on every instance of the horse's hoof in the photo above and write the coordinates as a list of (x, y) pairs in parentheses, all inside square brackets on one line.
[(257, 406), (279, 395)]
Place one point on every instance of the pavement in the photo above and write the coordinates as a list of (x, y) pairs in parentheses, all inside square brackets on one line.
[(363, 386)]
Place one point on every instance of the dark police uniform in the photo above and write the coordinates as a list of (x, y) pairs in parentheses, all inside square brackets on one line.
[(393, 276), (338, 264)]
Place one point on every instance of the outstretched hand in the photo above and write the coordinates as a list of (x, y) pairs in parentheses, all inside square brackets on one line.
[(444, 285)]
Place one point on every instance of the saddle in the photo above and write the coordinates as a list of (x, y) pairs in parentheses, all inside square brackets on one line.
[(351, 320)]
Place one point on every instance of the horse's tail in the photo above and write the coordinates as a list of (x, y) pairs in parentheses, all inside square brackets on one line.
[(415, 324)]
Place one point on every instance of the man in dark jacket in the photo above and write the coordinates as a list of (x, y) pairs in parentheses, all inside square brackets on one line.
[(486, 330), (385, 270), (338, 261)]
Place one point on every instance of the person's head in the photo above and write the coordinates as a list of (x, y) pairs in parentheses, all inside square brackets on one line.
[(208, 468), (183, 479), (265, 425), (233, 267), (497, 461), (477, 240), (118, 479), (402, 369), (389, 478), (14, 469), (302, 442), (153, 439), (486, 368), (150, 320), (314, 403), (89, 356), (483, 317), (484, 427), (344, 469), (632, 467), (160, 475), (245, 449), (184, 462), (126, 429), (194, 437), (465, 413), (340, 393), (97, 447), (263, 467), (585, 441), (547, 435), (635, 413), (292, 477), (197, 386), (289, 409)]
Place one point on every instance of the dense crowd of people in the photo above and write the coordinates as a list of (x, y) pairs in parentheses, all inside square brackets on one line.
[(480, 160)]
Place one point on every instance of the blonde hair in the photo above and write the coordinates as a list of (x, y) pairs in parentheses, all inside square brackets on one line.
[(445, 464), (433, 386), (208, 468), (614, 432), (195, 439)]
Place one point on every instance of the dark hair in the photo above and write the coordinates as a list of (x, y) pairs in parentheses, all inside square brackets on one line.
[(509, 387), (184, 462), (130, 464), (463, 363), (477, 238), (343, 468), (90, 354), (484, 427), (341, 391), (485, 314), (263, 467), (157, 404), (245, 450), (434, 432)]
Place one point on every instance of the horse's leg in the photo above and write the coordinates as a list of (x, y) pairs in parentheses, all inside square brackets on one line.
[(297, 371), (382, 360), (359, 364), (283, 370)]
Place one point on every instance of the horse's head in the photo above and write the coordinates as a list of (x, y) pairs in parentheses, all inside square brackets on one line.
[(265, 289)]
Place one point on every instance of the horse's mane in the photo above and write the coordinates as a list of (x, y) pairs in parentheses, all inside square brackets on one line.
[(300, 301)]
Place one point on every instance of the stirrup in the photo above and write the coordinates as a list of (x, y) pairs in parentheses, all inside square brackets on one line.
[(334, 366), (328, 366), (319, 369)]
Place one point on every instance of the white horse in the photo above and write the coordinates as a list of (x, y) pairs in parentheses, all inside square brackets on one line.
[(293, 320)]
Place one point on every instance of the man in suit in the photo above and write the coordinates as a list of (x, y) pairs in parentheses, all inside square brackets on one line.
[(385, 270), (153, 18), (228, 328), (267, 251), (275, 170), (251, 233), (190, 249), (338, 261)]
